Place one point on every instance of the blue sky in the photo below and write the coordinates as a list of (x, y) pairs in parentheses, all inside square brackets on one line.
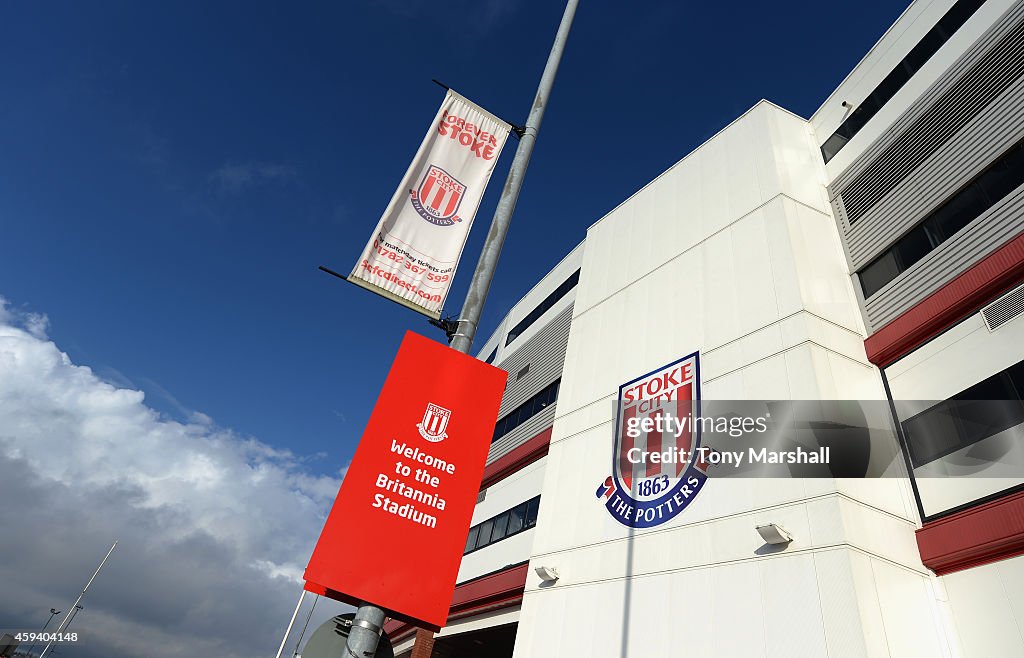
[(172, 174)]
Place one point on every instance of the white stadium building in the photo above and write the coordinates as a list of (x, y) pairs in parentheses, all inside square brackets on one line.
[(872, 252)]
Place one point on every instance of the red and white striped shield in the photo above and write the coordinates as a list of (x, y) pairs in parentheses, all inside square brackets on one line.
[(668, 392), (435, 422), (439, 196)]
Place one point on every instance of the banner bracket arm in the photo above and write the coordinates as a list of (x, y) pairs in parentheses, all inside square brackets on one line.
[(448, 325), (332, 272)]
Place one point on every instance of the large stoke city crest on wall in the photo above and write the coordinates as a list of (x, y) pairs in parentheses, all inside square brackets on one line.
[(645, 494)]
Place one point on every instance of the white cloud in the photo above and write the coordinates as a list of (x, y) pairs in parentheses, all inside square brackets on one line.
[(215, 528), (233, 177)]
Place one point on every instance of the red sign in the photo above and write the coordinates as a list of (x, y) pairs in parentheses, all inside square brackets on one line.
[(397, 531)]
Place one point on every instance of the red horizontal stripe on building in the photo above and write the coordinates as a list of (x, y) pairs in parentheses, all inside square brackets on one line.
[(976, 536)]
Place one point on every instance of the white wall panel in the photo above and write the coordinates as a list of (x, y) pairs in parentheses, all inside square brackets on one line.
[(906, 604), (737, 602), (848, 633), (789, 589), (960, 357), (988, 605)]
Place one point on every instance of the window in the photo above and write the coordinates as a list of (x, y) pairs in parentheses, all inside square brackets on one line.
[(999, 179), (484, 536), (892, 83), (490, 358), (549, 301), (983, 410), (471, 539), (878, 273), (510, 522), (500, 529), (515, 519), (526, 410), (523, 372), (530, 519)]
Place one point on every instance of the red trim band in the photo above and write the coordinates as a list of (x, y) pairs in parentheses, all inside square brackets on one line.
[(955, 300), (976, 536), (498, 586), (517, 459), (491, 592)]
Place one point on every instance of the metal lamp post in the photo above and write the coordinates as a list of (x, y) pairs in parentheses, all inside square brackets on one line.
[(369, 620)]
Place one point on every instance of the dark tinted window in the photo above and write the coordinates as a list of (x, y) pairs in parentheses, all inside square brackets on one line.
[(548, 302), (931, 434), (515, 518), (957, 212), (521, 517), (471, 540), (878, 273), (999, 179), (913, 247), (485, 533), (1016, 375), (1002, 180), (892, 83), (500, 528), (527, 410), (976, 413), (530, 519)]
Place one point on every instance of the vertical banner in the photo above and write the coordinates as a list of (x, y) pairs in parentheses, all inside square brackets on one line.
[(413, 253), (397, 530)]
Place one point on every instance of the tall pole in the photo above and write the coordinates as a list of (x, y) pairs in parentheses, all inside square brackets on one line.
[(302, 633), (288, 630), (473, 307), (53, 613), (67, 617), (369, 621)]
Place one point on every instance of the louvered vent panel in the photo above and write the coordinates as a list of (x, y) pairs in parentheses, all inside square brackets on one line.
[(545, 355), (1004, 309), (976, 88)]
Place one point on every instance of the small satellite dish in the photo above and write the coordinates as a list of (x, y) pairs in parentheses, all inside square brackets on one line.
[(328, 641)]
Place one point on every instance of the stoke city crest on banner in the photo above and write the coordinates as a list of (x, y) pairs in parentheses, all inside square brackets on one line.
[(438, 197)]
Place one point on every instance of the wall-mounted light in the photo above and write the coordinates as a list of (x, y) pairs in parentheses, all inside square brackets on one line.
[(547, 574), (773, 534)]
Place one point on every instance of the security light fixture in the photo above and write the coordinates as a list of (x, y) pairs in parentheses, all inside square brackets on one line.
[(547, 574), (773, 534)]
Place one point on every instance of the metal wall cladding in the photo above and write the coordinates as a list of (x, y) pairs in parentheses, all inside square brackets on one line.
[(920, 162), (981, 237), (545, 354)]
